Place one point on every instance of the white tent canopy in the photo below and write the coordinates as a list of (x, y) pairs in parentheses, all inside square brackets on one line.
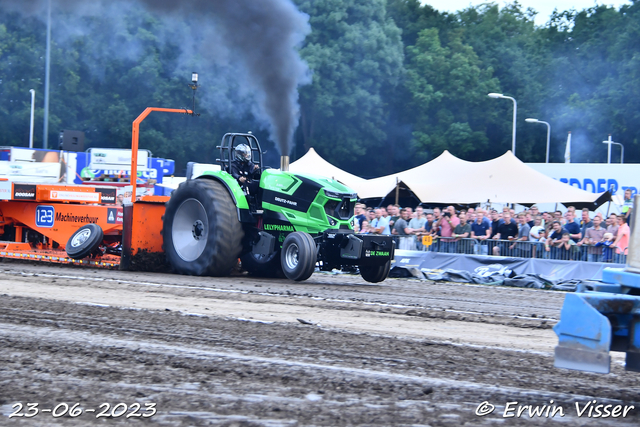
[(312, 163), (448, 179)]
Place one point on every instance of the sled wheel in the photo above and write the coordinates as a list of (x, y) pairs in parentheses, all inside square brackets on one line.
[(298, 256), (375, 273), (262, 265), (84, 241), (201, 232)]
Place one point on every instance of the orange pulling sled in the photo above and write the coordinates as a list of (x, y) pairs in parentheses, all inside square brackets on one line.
[(81, 224)]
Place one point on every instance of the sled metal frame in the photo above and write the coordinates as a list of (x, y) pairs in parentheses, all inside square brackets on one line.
[(599, 318), (142, 230)]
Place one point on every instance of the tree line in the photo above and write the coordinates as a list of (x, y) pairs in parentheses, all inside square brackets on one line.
[(393, 84)]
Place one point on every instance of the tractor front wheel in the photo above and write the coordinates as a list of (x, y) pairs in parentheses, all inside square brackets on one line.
[(298, 256), (201, 232), (376, 273)]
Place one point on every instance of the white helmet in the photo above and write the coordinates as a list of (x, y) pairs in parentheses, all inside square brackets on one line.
[(243, 152)]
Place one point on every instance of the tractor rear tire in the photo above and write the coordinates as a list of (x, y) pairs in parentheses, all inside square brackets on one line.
[(84, 241), (201, 232), (377, 273), (262, 265), (298, 256)]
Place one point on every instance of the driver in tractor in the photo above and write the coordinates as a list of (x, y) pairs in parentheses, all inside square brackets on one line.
[(244, 170)]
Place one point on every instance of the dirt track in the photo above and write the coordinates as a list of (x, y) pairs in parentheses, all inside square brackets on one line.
[(331, 351)]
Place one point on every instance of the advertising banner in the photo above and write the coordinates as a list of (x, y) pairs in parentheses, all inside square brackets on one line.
[(115, 159)]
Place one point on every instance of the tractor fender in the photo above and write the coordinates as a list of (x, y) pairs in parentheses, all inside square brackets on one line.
[(234, 190)]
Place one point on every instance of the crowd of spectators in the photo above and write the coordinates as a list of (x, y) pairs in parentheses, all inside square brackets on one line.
[(531, 233)]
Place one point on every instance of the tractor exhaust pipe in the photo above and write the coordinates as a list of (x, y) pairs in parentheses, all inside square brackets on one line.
[(284, 163)]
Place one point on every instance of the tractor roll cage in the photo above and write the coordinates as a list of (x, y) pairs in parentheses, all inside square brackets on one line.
[(232, 140)]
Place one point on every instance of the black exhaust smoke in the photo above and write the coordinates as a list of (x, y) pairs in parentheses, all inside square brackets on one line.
[(262, 34)]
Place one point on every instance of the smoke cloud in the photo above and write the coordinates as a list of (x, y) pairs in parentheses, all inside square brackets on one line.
[(247, 46)]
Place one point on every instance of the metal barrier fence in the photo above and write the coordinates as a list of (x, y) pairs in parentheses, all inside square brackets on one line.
[(512, 248)]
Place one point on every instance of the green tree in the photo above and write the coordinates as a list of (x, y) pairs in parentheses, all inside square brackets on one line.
[(355, 54), (448, 87)]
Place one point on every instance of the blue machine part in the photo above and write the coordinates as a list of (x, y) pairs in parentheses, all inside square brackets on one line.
[(598, 319)]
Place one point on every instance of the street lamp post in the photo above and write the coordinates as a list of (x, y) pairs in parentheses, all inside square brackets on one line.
[(47, 79), (33, 104), (515, 109), (621, 151), (609, 142), (548, 134)]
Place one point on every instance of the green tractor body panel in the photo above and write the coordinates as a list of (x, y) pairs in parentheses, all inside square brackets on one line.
[(306, 202)]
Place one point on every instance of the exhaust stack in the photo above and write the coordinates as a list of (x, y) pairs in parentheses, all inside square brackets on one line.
[(284, 163)]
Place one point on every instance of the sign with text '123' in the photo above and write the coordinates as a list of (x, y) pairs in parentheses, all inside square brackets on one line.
[(45, 215)]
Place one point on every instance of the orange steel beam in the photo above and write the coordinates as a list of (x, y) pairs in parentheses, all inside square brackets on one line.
[(135, 133)]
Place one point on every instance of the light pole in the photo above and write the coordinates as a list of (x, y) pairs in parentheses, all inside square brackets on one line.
[(548, 134), (621, 151), (33, 104), (609, 142), (515, 109), (47, 79)]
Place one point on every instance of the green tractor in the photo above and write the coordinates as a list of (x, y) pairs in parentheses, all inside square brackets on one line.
[(285, 225)]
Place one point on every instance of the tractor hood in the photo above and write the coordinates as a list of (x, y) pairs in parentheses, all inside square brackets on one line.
[(332, 188), (304, 185)]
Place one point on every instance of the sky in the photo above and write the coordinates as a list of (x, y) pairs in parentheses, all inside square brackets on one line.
[(543, 7)]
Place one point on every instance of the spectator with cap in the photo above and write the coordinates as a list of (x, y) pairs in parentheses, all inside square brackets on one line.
[(553, 242), (371, 215)]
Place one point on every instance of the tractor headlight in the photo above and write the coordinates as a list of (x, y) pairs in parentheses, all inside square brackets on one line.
[(340, 196)]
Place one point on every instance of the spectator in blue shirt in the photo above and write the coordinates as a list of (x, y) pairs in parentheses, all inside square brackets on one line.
[(380, 225), (481, 231), (572, 227)]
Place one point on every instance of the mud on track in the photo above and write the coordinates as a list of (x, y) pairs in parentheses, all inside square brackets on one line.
[(231, 351)]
